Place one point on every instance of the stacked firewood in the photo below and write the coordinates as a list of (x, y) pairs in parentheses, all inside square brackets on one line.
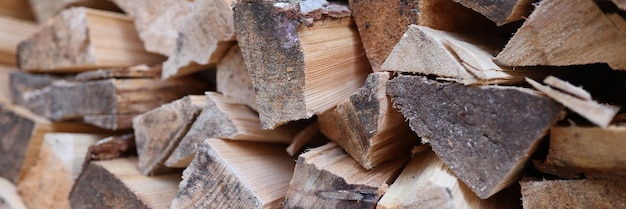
[(312, 104)]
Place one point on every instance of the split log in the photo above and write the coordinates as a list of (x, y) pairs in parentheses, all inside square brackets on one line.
[(427, 183), (367, 127), (48, 183), (597, 193), (500, 12), (599, 114), (23, 85), (9, 199), (233, 79), (11, 33), (204, 37), (297, 67), (231, 174), (307, 137), (158, 131), (22, 136), (452, 56), (157, 22), (326, 177), (139, 71), (20, 9), (6, 92), (82, 39), (118, 184), (111, 148), (484, 134), (557, 34), (448, 15), (591, 152), (46, 9), (223, 117)]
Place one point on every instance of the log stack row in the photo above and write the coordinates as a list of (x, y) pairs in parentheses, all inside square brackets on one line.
[(312, 104)]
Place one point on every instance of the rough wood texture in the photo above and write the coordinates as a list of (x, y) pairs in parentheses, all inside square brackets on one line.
[(226, 118), (298, 69), (22, 136), (9, 199), (557, 33), (326, 177), (157, 22), (500, 12), (46, 9), (81, 39), (204, 36), (427, 183), (230, 174), (458, 57), (49, 181), (6, 90), (20, 9), (451, 16), (599, 114), (158, 131), (139, 71), (118, 184), (233, 79), (367, 127), (591, 152), (484, 134), (23, 85), (112, 147), (569, 194), (12, 31)]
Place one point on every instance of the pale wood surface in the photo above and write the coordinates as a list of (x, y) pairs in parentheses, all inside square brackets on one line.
[(9, 198), (500, 12), (46, 9), (233, 79), (12, 32), (139, 71), (583, 193), (20, 9)]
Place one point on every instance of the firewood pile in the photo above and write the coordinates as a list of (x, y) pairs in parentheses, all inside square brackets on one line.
[(312, 104)]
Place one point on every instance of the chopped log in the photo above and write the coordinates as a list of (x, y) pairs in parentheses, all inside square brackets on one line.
[(81, 39), (23, 85), (448, 15), (484, 134), (565, 40), (22, 136), (118, 184), (46, 9), (232, 174), (6, 92), (223, 117), (599, 114), (326, 177), (307, 136), (298, 69), (452, 56), (233, 79), (367, 127), (20, 9), (500, 12), (139, 71), (13, 31), (111, 148), (591, 152), (204, 37), (597, 193), (427, 183), (48, 183), (158, 131), (157, 22), (9, 199)]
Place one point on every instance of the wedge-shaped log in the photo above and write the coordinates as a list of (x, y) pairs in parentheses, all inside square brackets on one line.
[(158, 131), (223, 117), (427, 183), (204, 37), (22, 136), (367, 127), (484, 134), (500, 12), (46, 9), (118, 184), (9, 198), (23, 85), (557, 34), (12, 33), (19, 9), (232, 174), (233, 79), (49, 181), (82, 39), (326, 177), (597, 193), (297, 67)]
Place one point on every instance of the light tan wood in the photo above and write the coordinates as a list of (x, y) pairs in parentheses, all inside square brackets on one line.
[(49, 181), (449, 15), (139, 71), (233, 79), (303, 138), (223, 117), (157, 22), (118, 184), (204, 37), (557, 34), (6, 94), (297, 68), (326, 177), (599, 114), (158, 131), (500, 12), (46, 9), (82, 39), (598, 193), (567, 87), (9, 198), (12, 32), (19, 9), (367, 127), (233, 174)]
